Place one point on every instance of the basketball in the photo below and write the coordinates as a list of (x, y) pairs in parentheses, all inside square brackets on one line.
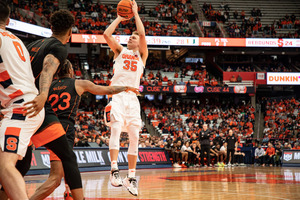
[(124, 9)]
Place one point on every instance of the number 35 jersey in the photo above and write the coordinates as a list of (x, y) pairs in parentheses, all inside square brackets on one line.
[(16, 77), (64, 98), (128, 69)]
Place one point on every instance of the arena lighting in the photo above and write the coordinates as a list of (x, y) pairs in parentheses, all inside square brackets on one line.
[(29, 28)]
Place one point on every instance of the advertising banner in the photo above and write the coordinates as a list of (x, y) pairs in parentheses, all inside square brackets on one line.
[(97, 157), (278, 78), (164, 40), (196, 89), (291, 157), (272, 42)]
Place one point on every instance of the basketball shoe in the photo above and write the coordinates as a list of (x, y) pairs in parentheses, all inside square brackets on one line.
[(131, 185), (68, 196), (115, 178)]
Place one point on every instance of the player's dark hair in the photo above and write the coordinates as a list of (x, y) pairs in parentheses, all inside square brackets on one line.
[(64, 69), (4, 11), (61, 21)]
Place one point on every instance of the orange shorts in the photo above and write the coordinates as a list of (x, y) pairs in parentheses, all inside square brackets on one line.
[(47, 135), (53, 156)]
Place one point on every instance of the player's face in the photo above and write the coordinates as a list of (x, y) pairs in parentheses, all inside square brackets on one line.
[(133, 42)]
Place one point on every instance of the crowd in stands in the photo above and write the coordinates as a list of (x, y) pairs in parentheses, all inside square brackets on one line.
[(212, 14), (281, 132), (34, 10), (264, 63), (241, 68), (250, 24), (180, 12), (282, 120), (188, 118), (182, 74), (93, 18)]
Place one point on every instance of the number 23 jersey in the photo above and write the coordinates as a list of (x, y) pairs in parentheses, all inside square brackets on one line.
[(64, 99), (128, 69)]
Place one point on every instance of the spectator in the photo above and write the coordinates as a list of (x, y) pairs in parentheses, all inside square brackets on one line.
[(239, 79), (259, 155), (270, 153)]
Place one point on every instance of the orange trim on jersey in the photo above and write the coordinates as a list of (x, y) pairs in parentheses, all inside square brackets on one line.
[(19, 110), (15, 94), (53, 156), (48, 135), (72, 109), (142, 76), (4, 76), (12, 131)]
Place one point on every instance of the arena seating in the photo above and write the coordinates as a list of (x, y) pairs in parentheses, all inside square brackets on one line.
[(282, 119), (271, 11)]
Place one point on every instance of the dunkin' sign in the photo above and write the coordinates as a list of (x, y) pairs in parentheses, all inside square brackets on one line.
[(274, 78)]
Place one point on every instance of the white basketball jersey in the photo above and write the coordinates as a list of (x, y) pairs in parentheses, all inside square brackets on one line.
[(128, 69), (16, 77)]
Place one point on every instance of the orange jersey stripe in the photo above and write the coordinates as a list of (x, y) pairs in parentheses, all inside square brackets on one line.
[(4, 76), (15, 94), (13, 131), (48, 135)]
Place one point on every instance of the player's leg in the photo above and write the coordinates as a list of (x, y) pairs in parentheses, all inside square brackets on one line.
[(10, 177), (208, 155), (114, 146), (202, 156), (228, 157), (53, 181), (23, 167), (70, 133), (15, 133), (61, 148), (130, 181)]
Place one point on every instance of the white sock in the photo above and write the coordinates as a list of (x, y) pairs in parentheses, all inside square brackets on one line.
[(114, 165), (131, 172)]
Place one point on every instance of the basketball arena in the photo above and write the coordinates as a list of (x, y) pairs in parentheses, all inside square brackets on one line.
[(211, 89)]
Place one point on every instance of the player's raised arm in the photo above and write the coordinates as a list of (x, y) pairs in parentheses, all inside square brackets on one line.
[(112, 43), (87, 86), (141, 30)]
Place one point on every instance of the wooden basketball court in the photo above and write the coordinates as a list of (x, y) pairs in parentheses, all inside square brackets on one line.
[(193, 183)]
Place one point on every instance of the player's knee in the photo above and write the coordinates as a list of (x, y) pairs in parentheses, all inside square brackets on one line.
[(55, 180), (134, 133), (114, 141)]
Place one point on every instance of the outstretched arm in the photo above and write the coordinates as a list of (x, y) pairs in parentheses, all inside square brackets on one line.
[(141, 30), (87, 86), (50, 66), (111, 41)]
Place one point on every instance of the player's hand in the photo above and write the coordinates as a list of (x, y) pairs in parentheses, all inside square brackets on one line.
[(134, 8), (35, 106), (132, 89), (122, 18)]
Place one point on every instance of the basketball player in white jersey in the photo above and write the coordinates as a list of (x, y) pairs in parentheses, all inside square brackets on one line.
[(123, 112), (16, 88)]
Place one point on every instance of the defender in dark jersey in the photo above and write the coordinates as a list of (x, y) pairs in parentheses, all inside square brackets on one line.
[(46, 57), (64, 97)]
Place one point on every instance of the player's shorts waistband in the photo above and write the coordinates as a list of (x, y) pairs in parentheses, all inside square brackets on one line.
[(21, 99)]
